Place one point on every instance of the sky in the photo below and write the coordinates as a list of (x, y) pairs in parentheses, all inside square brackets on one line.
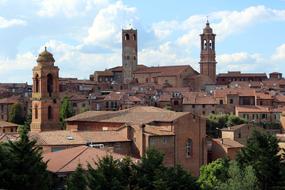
[(85, 35)]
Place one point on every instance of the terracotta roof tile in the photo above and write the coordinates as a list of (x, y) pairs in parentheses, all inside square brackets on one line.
[(137, 115), (228, 143), (67, 160)]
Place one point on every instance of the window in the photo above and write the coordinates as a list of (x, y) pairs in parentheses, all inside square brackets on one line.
[(37, 83), (74, 105), (189, 148), (203, 106), (213, 112), (221, 102), (134, 37), (36, 112), (210, 44), (193, 106), (203, 112), (175, 103), (107, 105), (127, 37), (49, 113), (205, 44), (135, 58), (231, 101), (164, 140), (49, 84)]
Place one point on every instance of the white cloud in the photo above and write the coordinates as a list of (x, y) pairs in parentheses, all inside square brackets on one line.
[(224, 23), (108, 23), (74, 63), (69, 8), (164, 28), (165, 54), (279, 54), (6, 23), (23, 63)]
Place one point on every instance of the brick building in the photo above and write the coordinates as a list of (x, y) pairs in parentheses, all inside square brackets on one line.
[(179, 135), (227, 78), (45, 96)]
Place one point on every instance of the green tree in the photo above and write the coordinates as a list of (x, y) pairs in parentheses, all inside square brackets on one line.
[(77, 180), (16, 114), (66, 111), (214, 173), (107, 175), (175, 178), (261, 152), (219, 121), (26, 170), (149, 168), (239, 179)]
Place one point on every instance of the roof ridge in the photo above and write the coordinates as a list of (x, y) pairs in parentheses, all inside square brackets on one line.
[(85, 148)]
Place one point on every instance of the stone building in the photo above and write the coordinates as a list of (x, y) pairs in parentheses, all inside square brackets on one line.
[(208, 53), (45, 96), (129, 54)]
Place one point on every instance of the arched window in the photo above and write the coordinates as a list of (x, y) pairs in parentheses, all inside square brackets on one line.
[(205, 44), (36, 112), (49, 113), (210, 44), (135, 58), (189, 148), (134, 37), (49, 84), (127, 37), (37, 83)]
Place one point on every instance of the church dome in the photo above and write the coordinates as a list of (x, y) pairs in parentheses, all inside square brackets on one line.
[(207, 29), (45, 56)]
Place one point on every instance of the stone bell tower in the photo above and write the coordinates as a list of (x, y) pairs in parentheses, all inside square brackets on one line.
[(208, 53), (45, 96), (129, 54)]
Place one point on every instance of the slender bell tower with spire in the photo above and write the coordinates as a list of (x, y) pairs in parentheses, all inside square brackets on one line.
[(208, 53), (45, 96)]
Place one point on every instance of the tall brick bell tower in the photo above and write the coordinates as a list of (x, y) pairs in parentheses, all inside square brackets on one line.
[(208, 53), (45, 96), (129, 54)]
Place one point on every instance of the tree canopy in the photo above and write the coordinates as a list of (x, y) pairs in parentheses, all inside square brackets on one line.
[(21, 165), (16, 114), (66, 110), (261, 152), (219, 121)]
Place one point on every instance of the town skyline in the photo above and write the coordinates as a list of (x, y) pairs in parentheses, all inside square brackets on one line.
[(89, 41)]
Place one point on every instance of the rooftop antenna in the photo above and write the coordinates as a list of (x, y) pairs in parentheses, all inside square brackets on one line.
[(207, 19)]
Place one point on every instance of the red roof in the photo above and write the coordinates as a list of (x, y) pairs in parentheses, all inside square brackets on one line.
[(67, 160)]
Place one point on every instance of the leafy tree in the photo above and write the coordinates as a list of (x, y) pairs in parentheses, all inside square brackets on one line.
[(150, 167), (239, 179), (107, 176), (26, 170), (66, 110), (261, 152), (214, 173), (175, 178), (16, 114), (77, 180), (219, 121)]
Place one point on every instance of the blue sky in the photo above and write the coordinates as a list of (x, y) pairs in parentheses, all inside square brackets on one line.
[(84, 35)]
